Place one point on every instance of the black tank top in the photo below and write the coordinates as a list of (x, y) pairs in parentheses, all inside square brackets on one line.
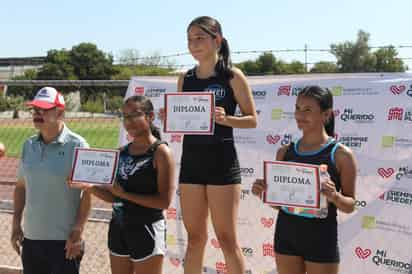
[(224, 98), (325, 155), (136, 174)]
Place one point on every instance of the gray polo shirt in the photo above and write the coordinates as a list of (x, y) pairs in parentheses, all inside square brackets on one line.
[(51, 206)]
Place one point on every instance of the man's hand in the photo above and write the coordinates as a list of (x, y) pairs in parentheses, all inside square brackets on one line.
[(16, 238), (74, 244)]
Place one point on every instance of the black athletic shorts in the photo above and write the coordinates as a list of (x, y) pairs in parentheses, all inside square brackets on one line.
[(210, 164), (137, 241), (316, 240)]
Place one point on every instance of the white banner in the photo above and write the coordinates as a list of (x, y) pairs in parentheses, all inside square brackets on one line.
[(373, 116)]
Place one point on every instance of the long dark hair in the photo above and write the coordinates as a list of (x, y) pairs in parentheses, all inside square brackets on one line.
[(325, 100), (147, 106), (212, 27)]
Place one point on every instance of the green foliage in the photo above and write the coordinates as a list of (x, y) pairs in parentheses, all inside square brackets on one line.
[(93, 106), (113, 104), (90, 63), (126, 72), (11, 103), (324, 67), (387, 60), (267, 63), (57, 67)]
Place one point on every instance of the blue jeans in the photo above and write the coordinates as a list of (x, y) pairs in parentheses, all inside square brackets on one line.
[(47, 257)]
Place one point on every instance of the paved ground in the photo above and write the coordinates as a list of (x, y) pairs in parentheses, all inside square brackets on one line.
[(95, 261)]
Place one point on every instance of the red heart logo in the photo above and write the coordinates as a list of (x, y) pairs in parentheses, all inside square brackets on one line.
[(362, 253), (267, 222), (386, 173), (272, 139), (397, 89), (139, 90), (215, 243), (336, 112), (175, 261)]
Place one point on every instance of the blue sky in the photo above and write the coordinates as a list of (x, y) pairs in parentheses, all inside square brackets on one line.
[(31, 28)]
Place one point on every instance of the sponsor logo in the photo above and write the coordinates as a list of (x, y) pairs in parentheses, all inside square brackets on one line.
[(349, 115), (171, 240), (278, 114), (267, 222), (409, 92), (272, 139), (386, 172), (221, 268), (395, 114), (259, 94), (382, 259), (370, 222), (139, 90), (284, 90), (287, 138), (398, 197), (359, 203), (353, 141), (397, 89), (362, 253), (393, 141), (154, 92), (399, 114), (268, 250), (247, 251), (244, 194), (336, 90), (241, 139), (404, 173), (247, 172)]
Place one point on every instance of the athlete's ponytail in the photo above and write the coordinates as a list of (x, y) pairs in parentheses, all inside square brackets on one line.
[(212, 27), (325, 100)]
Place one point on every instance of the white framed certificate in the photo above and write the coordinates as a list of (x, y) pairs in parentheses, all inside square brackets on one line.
[(94, 166), (189, 113), (292, 184)]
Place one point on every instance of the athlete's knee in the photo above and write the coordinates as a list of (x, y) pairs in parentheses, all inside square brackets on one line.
[(197, 239), (227, 241)]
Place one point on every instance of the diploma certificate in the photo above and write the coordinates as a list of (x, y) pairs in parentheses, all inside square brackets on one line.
[(94, 166), (292, 184), (189, 113)]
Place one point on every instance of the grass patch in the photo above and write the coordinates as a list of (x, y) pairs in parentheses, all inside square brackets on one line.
[(98, 133)]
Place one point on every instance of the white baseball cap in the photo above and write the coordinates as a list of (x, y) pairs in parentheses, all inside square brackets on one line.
[(47, 98)]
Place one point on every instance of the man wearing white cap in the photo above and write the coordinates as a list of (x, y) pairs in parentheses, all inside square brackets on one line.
[(50, 240)]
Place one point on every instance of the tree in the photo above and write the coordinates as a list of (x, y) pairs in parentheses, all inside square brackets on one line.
[(324, 67), (57, 67), (355, 57), (90, 63), (266, 63), (387, 60), (295, 67), (249, 67)]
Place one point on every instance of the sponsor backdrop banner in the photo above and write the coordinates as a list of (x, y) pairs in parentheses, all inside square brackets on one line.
[(373, 114)]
